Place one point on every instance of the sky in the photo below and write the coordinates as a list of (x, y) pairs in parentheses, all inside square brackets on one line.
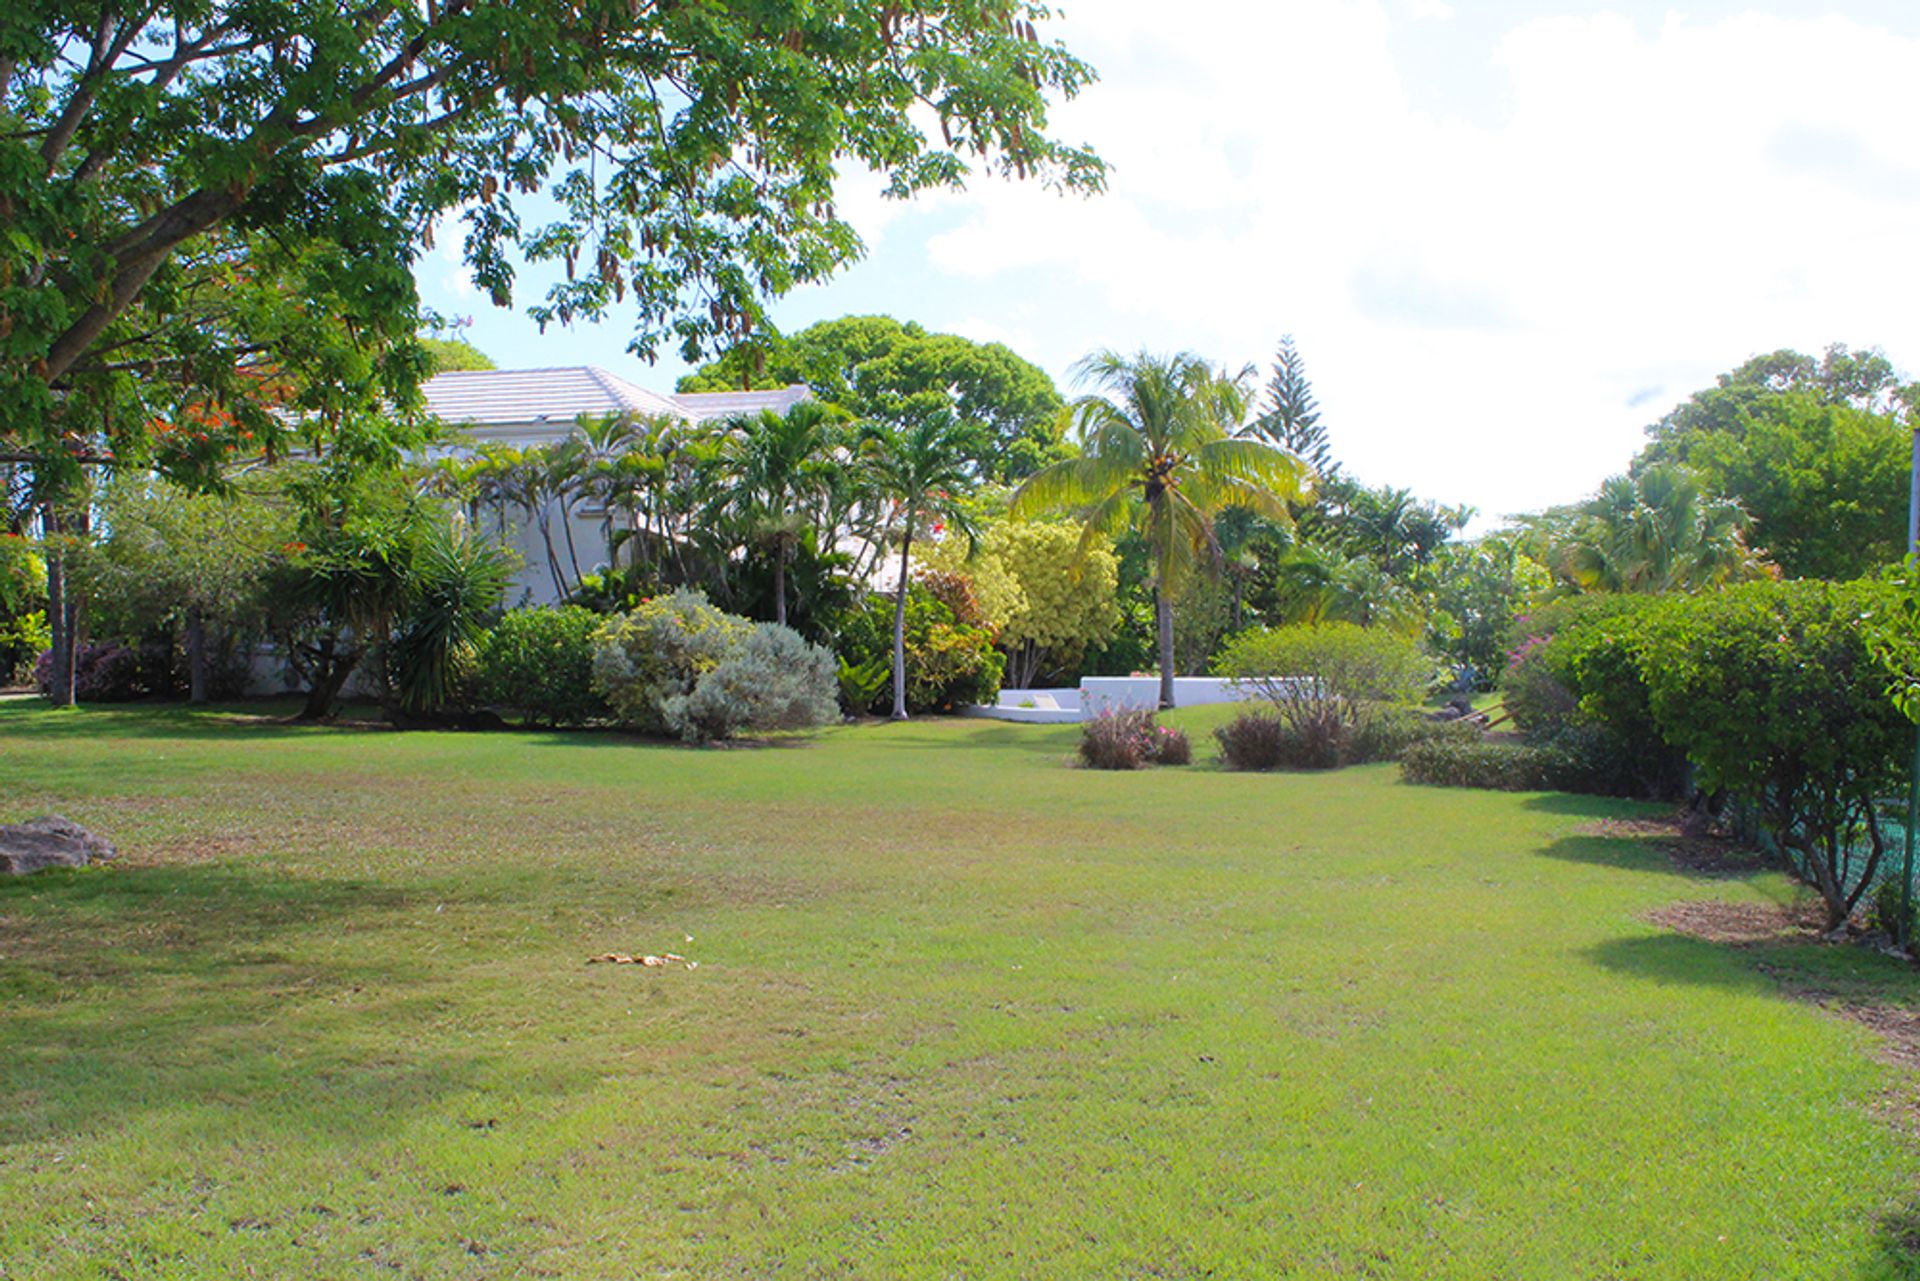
[(1506, 235)]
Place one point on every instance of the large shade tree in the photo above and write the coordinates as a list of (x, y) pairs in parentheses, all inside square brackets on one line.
[(879, 367), (210, 207), (1159, 456)]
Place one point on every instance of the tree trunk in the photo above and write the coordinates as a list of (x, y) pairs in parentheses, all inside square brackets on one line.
[(1163, 618), (780, 582), (900, 630), (196, 657), (331, 668), (60, 686)]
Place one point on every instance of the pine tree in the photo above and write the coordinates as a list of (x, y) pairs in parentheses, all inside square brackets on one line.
[(1292, 417)]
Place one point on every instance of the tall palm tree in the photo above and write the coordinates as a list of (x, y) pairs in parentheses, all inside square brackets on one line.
[(917, 472), (781, 469), (1159, 456)]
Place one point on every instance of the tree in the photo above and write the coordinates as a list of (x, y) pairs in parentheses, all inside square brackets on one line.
[(781, 469), (453, 355), (1159, 455), (1815, 451), (1478, 589), (155, 153), (878, 367), (1048, 598), (1654, 532), (1392, 528), (919, 471), (1291, 417), (195, 564)]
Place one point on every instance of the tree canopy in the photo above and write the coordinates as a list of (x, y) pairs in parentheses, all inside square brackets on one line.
[(879, 367), (1815, 451), (213, 191)]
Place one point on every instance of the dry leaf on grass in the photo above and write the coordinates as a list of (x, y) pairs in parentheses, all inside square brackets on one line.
[(621, 958)]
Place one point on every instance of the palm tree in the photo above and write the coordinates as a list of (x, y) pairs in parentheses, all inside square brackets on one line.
[(1159, 455), (781, 471), (917, 470), (1657, 532)]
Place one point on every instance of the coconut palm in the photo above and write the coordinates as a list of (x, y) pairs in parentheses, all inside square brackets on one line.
[(1159, 456), (916, 473)]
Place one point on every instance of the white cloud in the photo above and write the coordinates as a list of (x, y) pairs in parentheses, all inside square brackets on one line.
[(1490, 313)]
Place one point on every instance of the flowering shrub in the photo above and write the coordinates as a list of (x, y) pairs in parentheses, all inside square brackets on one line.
[(1131, 740), (101, 674), (1170, 746), (1117, 740)]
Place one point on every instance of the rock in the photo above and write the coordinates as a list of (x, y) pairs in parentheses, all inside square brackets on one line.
[(50, 841)]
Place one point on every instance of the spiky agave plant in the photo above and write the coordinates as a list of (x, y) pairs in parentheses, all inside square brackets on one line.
[(456, 579)]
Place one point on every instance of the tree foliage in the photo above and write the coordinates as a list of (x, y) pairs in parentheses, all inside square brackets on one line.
[(1047, 597), (1159, 456), (876, 367), (1290, 416), (196, 188), (1816, 452)]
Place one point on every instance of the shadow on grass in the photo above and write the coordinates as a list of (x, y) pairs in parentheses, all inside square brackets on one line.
[(211, 990), (1581, 805), (1636, 854), (269, 718)]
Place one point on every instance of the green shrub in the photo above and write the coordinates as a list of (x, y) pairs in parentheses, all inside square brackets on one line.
[(1776, 695), (1327, 683), (660, 651), (773, 680), (950, 664), (538, 662), (1586, 685), (1508, 766), (1883, 913)]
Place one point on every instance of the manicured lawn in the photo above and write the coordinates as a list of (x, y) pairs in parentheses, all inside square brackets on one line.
[(960, 1010)]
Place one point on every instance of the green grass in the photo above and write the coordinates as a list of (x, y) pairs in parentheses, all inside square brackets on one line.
[(960, 1010)]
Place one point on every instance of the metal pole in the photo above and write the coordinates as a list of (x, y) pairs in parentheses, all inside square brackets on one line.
[(1905, 932)]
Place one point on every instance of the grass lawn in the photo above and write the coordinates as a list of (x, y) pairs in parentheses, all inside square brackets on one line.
[(960, 1010)]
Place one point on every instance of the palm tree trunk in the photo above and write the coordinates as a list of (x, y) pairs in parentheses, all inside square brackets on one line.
[(573, 556), (900, 630), (1163, 619), (780, 582)]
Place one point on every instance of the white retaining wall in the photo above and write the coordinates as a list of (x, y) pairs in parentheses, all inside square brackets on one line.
[(1107, 693)]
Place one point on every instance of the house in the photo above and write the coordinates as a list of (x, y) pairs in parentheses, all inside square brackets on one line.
[(525, 408)]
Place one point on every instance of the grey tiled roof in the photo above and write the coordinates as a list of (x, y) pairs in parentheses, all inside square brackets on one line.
[(502, 397), (703, 405)]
